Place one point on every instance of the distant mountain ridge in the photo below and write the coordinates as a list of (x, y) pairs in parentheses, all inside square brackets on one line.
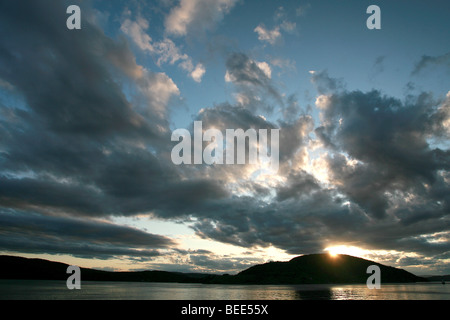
[(306, 269), (12, 267), (322, 268)]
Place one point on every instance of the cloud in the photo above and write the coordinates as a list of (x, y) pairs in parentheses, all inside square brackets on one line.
[(204, 261), (378, 67), (243, 70), (165, 51), (159, 89), (80, 145), (288, 26), (222, 117), (136, 31), (293, 224), (291, 108), (6, 85), (387, 145), (294, 134), (264, 66), (324, 83), (28, 232), (198, 73), (378, 64), (266, 35), (299, 184), (78, 82), (282, 17), (283, 23), (194, 17), (387, 184), (209, 263), (284, 64), (253, 81), (429, 61), (301, 10), (87, 137)]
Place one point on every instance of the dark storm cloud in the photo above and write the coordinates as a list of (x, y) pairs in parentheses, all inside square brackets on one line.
[(313, 220), (73, 198), (29, 232), (303, 220), (78, 145), (299, 184), (389, 139), (123, 183), (61, 73), (80, 250), (391, 183)]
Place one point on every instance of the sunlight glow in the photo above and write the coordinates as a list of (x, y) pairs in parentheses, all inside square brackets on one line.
[(332, 254), (349, 250)]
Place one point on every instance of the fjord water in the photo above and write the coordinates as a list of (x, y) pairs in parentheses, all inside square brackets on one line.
[(93, 290)]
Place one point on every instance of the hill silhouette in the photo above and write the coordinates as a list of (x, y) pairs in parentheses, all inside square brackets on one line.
[(307, 269), (12, 267), (321, 268)]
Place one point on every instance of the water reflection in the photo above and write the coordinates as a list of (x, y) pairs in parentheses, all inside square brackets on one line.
[(411, 291), (320, 294), (43, 290), (331, 292)]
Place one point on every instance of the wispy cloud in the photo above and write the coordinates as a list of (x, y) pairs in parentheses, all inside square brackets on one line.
[(165, 51), (283, 23), (266, 35), (194, 17), (429, 61)]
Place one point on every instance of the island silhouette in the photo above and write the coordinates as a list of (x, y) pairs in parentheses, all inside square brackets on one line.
[(319, 268)]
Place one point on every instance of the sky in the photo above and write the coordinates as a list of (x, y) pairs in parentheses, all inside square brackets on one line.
[(87, 115)]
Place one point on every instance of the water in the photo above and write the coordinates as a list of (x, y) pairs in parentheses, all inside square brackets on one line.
[(93, 290)]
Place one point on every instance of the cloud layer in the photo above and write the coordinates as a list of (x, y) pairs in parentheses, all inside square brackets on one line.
[(85, 136)]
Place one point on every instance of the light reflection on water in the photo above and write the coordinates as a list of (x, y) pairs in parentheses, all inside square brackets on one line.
[(92, 290)]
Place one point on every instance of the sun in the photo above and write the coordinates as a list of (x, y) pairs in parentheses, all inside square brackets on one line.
[(333, 255), (334, 251)]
